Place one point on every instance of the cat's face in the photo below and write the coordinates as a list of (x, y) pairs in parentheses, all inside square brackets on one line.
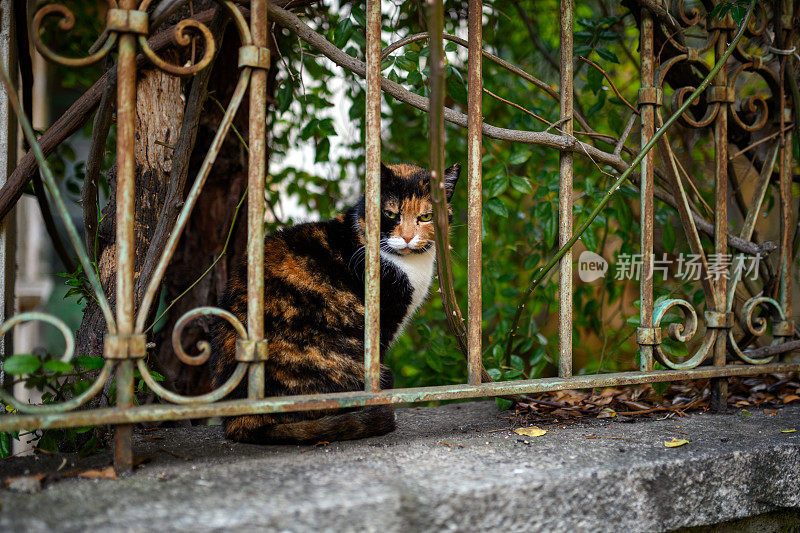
[(407, 225)]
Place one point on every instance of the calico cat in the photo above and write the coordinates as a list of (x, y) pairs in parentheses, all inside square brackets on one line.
[(314, 310)]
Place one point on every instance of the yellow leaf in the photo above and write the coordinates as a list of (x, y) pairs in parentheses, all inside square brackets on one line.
[(788, 430), (607, 412), (674, 443), (532, 431)]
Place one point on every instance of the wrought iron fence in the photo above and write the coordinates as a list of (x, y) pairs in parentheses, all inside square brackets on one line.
[(127, 28)]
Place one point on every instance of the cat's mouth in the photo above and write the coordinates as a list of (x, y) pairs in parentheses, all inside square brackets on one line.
[(400, 247)]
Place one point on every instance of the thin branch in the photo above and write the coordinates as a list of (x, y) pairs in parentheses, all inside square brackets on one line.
[(610, 82), (560, 142), (542, 272), (26, 76), (512, 104), (74, 118), (625, 133), (94, 160), (759, 142), (537, 42), (180, 164), (663, 16)]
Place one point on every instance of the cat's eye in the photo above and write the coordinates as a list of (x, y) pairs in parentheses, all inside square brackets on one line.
[(426, 217), (391, 215)]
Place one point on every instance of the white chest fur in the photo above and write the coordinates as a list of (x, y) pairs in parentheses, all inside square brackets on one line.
[(418, 268)]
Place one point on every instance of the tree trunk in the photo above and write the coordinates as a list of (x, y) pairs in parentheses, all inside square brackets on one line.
[(160, 111)]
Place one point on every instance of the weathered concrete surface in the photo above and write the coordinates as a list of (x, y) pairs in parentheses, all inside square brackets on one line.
[(734, 467)]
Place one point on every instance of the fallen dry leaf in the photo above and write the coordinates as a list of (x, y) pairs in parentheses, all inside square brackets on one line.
[(607, 412), (791, 398), (772, 412), (99, 473), (532, 431), (744, 412), (788, 430), (674, 443)]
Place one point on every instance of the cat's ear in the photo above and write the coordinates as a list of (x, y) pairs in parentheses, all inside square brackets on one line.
[(386, 174), (451, 178)]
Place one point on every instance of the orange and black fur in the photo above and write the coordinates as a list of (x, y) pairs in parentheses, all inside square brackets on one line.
[(314, 310)]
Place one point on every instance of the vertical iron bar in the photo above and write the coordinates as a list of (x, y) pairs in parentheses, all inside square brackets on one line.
[(647, 110), (565, 196), (125, 198), (475, 188), (373, 200), (719, 386), (786, 215), (256, 175)]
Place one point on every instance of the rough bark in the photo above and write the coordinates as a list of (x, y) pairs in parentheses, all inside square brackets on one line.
[(159, 112)]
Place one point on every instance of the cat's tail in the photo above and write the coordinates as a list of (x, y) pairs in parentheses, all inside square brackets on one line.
[(359, 424)]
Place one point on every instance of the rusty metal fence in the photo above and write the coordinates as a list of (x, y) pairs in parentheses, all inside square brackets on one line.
[(127, 27)]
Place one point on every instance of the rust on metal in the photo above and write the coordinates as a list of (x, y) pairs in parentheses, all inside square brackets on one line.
[(718, 320), (372, 318), (159, 412), (719, 386), (474, 190), (125, 238), (256, 177), (127, 21), (565, 189), (648, 337), (125, 346), (254, 56), (249, 351), (125, 343)]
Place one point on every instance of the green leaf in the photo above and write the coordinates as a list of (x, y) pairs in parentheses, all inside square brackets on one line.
[(414, 77), (496, 206), (322, 150), (595, 80), (497, 185), (457, 90), (343, 32), (589, 239), (5, 445), (550, 226), (406, 64), (57, 366), (521, 184), (450, 46), (309, 129), (668, 237), (518, 158), (503, 404), (90, 363), (24, 363), (606, 54), (598, 105), (433, 360), (358, 14), (517, 362)]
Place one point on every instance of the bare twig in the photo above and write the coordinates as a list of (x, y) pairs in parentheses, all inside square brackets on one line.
[(759, 142), (610, 82), (180, 164), (628, 127), (26, 76), (542, 272), (94, 160), (561, 142), (662, 15), (73, 119)]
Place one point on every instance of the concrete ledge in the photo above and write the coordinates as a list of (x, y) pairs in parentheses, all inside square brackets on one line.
[(481, 480)]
